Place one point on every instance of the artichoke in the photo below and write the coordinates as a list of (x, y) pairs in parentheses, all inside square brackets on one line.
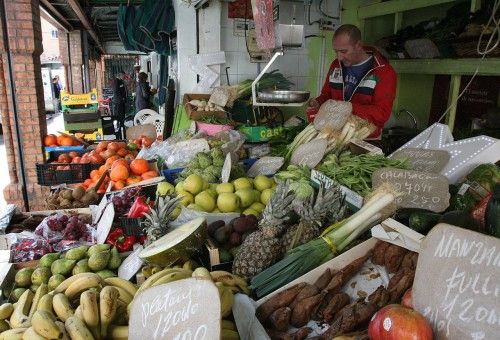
[(204, 160)]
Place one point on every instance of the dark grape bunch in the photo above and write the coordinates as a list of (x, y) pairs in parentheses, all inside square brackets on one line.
[(124, 200), (72, 228)]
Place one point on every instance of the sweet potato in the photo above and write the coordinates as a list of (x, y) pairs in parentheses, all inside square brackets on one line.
[(302, 312), (338, 301), (280, 319), (277, 335), (307, 291), (324, 279), (302, 333), (378, 256), (393, 257), (282, 299)]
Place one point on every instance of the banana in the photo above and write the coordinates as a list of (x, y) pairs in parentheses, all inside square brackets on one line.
[(226, 324), (40, 292), (64, 334), (107, 307), (77, 329), (149, 282), (156, 269), (190, 265), (81, 285), (6, 310), (172, 277), (62, 306), (4, 326), (229, 279), (121, 318), (202, 273), (46, 303), (124, 297), (90, 311), (66, 283), (44, 324), (226, 299), (13, 334), (31, 334), (19, 317), (118, 332), (228, 334), (124, 284), (78, 312)]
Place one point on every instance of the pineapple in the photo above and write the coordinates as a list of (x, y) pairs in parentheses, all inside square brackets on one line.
[(157, 220), (325, 208), (262, 248)]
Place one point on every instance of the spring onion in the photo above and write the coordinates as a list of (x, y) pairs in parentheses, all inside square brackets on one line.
[(334, 239)]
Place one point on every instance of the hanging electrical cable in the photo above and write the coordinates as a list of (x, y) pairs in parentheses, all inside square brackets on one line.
[(320, 7)]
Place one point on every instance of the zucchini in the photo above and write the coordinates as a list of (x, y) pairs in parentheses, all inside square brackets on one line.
[(423, 221)]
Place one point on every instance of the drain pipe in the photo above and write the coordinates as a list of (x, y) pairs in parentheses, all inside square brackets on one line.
[(3, 17)]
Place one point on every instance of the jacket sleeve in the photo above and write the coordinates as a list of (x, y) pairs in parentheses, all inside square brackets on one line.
[(326, 92), (379, 111)]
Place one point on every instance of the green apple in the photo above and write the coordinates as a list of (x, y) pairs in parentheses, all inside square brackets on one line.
[(246, 197), (258, 207), (205, 200), (262, 182), (187, 198), (194, 184), (250, 211), (242, 183), (228, 202), (265, 196), (225, 187), (179, 186), (194, 206), (164, 189)]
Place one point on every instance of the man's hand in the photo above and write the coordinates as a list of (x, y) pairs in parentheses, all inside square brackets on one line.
[(313, 103)]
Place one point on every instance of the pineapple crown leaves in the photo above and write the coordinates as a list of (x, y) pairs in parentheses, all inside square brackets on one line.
[(156, 222), (326, 203)]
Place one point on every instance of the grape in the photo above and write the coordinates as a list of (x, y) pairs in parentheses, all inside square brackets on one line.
[(63, 219)]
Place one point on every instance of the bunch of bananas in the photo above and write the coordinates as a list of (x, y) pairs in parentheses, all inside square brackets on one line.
[(228, 284), (84, 306)]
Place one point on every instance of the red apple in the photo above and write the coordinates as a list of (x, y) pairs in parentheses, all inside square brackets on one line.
[(395, 322)]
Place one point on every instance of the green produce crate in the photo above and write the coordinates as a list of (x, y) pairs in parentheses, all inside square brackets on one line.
[(256, 134)]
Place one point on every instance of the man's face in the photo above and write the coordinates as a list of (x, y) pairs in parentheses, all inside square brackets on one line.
[(347, 52)]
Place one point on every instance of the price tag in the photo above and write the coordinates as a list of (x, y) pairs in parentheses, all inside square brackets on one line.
[(105, 223), (309, 154), (226, 169), (422, 190), (266, 166), (424, 159), (185, 309), (354, 199), (97, 210), (457, 283), (131, 265)]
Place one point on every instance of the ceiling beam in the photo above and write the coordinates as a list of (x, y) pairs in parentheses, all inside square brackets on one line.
[(50, 19), (55, 14), (75, 6)]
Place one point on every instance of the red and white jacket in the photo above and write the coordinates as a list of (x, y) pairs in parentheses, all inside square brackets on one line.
[(372, 99)]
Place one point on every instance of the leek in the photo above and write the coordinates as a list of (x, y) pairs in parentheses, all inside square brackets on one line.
[(334, 239)]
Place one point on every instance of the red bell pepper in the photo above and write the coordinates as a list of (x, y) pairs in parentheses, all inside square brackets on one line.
[(141, 239), (122, 242), (139, 207)]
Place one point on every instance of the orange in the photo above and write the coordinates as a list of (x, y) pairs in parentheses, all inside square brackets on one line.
[(150, 174), (113, 146), (66, 141), (120, 161), (88, 182), (139, 166), (50, 140), (118, 185), (119, 173), (133, 179), (101, 146), (122, 152), (103, 169), (59, 139), (110, 160), (95, 175)]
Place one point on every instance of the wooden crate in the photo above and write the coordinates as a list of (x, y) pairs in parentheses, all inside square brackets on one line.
[(191, 110)]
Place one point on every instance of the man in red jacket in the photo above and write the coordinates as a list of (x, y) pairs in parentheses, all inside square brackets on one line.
[(360, 75)]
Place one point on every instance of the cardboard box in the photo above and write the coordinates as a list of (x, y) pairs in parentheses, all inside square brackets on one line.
[(214, 257), (191, 109)]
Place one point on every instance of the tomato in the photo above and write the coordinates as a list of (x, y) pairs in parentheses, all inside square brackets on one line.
[(395, 322)]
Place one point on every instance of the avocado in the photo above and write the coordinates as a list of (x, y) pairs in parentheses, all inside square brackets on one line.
[(82, 266), (41, 275), (99, 261), (48, 259), (62, 266), (77, 253), (54, 281), (115, 261), (97, 248)]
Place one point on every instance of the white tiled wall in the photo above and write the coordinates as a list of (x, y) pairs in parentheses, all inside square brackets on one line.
[(295, 64)]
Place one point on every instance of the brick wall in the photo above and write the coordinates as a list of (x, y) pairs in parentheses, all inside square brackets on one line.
[(74, 82), (25, 42)]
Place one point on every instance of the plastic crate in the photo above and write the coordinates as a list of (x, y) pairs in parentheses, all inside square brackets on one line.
[(47, 174), (53, 155), (256, 134), (132, 226)]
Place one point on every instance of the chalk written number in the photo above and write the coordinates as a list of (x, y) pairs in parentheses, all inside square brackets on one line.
[(200, 334), (411, 188)]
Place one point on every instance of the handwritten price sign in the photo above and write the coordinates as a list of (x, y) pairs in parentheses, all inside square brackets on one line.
[(182, 310), (457, 283), (421, 190)]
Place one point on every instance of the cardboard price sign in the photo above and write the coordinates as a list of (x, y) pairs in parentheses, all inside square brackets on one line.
[(266, 166), (309, 154), (424, 159), (422, 190), (463, 267), (185, 309)]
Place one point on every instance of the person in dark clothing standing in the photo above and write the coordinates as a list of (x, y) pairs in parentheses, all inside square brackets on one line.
[(56, 88), (119, 102), (143, 93)]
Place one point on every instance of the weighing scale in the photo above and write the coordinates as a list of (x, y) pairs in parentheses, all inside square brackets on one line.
[(81, 114), (266, 103)]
